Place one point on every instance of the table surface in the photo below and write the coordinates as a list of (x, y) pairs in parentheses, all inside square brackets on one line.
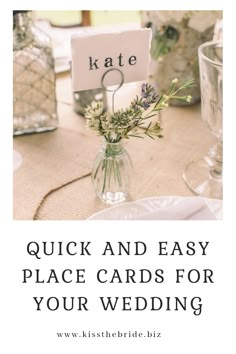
[(54, 181)]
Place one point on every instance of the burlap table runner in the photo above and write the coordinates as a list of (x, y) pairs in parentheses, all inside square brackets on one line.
[(50, 160), (158, 166)]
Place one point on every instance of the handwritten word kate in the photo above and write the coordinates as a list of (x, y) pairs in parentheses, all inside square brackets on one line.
[(109, 62)]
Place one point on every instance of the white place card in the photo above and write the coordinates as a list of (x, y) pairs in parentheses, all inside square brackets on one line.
[(94, 54)]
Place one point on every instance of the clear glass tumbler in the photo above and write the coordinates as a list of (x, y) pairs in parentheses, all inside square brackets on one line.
[(205, 177)]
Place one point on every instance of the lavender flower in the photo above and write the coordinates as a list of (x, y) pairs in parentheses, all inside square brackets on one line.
[(131, 122)]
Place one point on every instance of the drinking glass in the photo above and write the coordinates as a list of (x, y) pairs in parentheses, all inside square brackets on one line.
[(205, 177)]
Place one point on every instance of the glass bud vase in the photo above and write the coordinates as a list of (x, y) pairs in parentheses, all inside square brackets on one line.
[(34, 93), (112, 173)]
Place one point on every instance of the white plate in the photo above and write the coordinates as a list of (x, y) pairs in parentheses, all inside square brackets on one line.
[(164, 208)]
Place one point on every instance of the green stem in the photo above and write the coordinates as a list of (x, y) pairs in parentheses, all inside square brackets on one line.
[(109, 172), (118, 173), (186, 85), (114, 169)]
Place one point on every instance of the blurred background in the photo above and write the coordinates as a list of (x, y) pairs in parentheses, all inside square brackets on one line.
[(176, 36), (60, 25), (87, 18)]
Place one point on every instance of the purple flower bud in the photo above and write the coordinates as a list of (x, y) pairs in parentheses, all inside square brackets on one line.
[(143, 87), (145, 105)]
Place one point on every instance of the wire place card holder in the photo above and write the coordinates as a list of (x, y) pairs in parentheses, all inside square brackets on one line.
[(107, 60), (115, 89)]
